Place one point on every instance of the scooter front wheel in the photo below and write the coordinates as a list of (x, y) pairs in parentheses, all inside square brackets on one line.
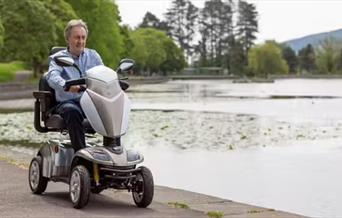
[(79, 186), (144, 188), (37, 182)]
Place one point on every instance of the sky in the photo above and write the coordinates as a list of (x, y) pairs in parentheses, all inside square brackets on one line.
[(279, 20)]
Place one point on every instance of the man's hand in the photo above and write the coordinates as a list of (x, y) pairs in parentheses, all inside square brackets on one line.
[(75, 89)]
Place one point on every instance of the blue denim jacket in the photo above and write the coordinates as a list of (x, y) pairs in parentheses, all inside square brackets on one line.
[(57, 75)]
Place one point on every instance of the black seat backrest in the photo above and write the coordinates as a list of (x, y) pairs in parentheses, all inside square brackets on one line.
[(44, 86), (56, 49), (43, 83)]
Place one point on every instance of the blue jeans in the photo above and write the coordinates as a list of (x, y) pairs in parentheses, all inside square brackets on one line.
[(73, 116)]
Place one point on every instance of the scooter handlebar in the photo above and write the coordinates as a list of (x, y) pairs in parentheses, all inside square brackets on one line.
[(73, 82)]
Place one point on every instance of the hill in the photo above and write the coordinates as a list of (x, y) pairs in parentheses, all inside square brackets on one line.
[(314, 39)]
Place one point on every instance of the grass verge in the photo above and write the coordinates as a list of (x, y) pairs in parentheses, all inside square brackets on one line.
[(8, 70), (19, 164)]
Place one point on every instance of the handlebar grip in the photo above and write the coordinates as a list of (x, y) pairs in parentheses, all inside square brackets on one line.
[(124, 85), (73, 82)]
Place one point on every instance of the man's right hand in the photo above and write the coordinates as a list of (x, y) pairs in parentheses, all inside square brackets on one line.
[(75, 89)]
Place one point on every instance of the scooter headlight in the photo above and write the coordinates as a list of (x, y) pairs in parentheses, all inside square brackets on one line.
[(100, 155)]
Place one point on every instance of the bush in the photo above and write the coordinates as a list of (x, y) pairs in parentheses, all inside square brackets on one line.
[(8, 70)]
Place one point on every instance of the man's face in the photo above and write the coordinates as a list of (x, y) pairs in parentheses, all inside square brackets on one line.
[(77, 40)]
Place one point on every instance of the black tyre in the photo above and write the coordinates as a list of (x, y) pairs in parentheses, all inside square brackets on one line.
[(96, 190), (79, 186), (144, 188), (37, 182)]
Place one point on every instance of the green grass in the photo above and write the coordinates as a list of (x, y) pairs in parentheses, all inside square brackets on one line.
[(23, 143), (8, 70), (178, 205), (215, 214)]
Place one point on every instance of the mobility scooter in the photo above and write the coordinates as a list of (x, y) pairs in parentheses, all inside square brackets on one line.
[(96, 167)]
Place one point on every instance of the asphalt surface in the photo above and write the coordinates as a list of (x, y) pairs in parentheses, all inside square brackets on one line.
[(18, 201)]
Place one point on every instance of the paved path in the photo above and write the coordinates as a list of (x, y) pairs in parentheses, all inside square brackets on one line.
[(17, 200)]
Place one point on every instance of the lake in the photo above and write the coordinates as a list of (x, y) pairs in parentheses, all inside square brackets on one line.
[(296, 170)]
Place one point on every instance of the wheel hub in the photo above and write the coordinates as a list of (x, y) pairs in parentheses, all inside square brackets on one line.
[(75, 186), (34, 175)]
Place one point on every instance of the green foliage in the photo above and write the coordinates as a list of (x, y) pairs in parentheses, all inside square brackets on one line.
[(63, 12), (8, 70), (216, 28), (215, 214), (247, 24), (181, 20), (237, 59), (266, 59), (152, 21), (290, 57), (147, 51), (1, 34), (307, 59), (339, 62), (127, 41), (29, 34), (327, 56), (154, 51), (102, 18), (175, 60)]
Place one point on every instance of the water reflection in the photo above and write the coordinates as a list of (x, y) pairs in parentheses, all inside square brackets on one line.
[(301, 178)]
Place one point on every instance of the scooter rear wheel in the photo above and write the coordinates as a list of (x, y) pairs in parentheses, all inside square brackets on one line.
[(144, 188), (37, 182), (79, 186)]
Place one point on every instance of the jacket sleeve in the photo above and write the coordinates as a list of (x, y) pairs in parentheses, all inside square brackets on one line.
[(54, 76)]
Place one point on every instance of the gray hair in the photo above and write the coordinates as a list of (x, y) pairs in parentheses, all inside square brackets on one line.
[(74, 23)]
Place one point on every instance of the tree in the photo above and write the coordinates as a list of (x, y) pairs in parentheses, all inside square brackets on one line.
[(236, 59), (154, 51), (307, 59), (216, 28), (29, 34), (63, 12), (1, 34), (147, 50), (102, 18), (327, 56), (127, 41), (339, 62), (290, 57), (267, 59), (151, 21), (247, 24), (181, 20), (175, 60)]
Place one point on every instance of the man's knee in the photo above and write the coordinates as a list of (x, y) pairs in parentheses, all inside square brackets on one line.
[(71, 112)]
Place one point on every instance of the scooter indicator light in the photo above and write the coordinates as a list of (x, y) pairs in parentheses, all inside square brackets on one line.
[(56, 149)]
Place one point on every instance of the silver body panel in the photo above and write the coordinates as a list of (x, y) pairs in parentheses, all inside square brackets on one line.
[(104, 103), (57, 162)]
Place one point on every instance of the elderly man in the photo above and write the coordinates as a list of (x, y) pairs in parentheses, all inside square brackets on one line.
[(68, 107)]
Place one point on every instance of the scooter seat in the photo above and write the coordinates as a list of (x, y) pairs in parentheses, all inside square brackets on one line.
[(55, 121)]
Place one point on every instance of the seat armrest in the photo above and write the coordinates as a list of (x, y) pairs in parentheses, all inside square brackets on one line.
[(45, 98), (42, 94)]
